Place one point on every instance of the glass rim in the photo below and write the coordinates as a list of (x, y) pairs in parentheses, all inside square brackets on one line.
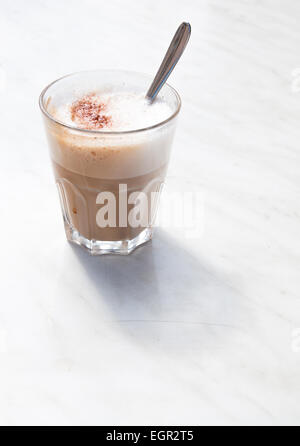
[(104, 132)]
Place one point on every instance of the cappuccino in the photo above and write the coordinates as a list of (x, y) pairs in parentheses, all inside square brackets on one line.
[(110, 151)]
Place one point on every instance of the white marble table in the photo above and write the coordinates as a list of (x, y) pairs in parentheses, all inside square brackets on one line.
[(202, 330)]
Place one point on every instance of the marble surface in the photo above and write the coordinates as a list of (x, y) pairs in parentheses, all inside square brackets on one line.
[(186, 330)]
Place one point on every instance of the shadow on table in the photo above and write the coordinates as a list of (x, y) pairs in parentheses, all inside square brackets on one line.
[(163, 293)]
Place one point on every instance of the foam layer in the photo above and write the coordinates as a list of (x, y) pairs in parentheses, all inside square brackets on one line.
[(115, 111), (108, 156)]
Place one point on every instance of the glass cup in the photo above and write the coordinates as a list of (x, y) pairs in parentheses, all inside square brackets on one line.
[(109, 182)]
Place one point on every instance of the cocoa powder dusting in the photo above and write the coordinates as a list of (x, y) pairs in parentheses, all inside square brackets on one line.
[(89, 113)]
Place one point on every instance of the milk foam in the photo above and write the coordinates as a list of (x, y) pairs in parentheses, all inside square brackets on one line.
[(127, 111), (105, 155)]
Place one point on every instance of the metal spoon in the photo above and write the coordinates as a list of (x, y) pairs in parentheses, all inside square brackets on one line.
[(171, 58)]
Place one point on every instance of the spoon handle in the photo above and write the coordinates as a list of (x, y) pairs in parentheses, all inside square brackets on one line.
[(171, 58)]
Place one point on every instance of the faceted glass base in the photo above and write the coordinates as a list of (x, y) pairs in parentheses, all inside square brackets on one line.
[(98, 247)]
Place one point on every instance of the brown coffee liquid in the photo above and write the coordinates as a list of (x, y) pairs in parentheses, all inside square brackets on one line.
[(79, 194)]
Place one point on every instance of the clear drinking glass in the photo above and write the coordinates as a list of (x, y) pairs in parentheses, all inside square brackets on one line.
[(109, 182)]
